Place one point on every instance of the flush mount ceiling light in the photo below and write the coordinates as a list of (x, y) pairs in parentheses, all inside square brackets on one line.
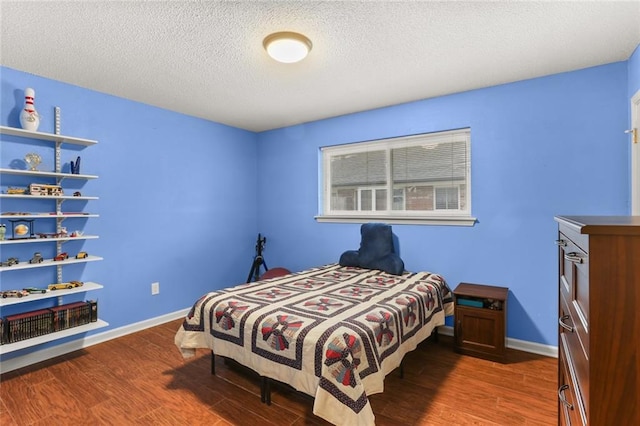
[(287, 47)]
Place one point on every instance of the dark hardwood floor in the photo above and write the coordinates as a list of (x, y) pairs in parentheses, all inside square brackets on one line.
[(141, 379)]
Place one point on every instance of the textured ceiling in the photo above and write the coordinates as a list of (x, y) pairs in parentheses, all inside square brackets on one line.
[(205, 58)]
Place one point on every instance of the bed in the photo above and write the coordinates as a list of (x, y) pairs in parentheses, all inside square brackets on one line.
[(332, 332)]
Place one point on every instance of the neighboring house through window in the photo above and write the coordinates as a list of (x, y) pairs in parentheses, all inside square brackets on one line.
[(414, 179)]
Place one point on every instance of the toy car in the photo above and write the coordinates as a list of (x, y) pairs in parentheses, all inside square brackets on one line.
[(45, 189), (11, 261), (14, 293), (37, 258), (61, 286), (61, 256), (82, 255), (35, 290), (52, 235), (16, 190)]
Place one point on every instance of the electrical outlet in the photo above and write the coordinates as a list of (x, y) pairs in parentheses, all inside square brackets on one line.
[(155, 288)]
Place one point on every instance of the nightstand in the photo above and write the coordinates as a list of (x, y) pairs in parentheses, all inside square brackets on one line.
[(481, 320)]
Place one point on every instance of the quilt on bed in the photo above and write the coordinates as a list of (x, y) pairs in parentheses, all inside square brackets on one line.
[(332, 332)]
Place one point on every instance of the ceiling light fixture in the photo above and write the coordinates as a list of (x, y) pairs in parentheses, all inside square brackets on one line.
[(287, 47)]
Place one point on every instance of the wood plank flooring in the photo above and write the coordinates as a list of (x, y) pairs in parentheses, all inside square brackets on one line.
[(141, 379)]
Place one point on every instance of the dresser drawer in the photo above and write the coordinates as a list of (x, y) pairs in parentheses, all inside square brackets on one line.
[(574, 285), (571, 233), (574, 355), (569, 400)]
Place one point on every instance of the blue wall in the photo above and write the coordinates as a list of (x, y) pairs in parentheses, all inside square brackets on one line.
[(182, 199), (177, 197), (540, 148), (634, 72)]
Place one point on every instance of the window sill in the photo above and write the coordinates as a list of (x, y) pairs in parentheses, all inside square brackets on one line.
[(401, 220)]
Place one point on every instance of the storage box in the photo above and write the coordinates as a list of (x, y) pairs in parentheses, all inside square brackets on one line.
[(470, 302)]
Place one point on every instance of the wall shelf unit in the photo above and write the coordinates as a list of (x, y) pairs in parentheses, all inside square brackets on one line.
[(48, 262), (14, 211), (53, 215), (23, 344), (48, 197), (42, 136), (19, 172), (88, 286), (47, 240)]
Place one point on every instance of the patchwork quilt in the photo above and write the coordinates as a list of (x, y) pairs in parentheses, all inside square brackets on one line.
[(331, 332)]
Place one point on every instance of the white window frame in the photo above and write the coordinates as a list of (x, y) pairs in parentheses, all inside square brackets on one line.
[(374, 199), (431, 217), (435, 196)]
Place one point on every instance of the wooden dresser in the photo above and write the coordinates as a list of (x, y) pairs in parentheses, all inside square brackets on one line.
[(599, 329)]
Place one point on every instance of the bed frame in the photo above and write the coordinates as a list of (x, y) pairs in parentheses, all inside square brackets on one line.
[(265, 382)]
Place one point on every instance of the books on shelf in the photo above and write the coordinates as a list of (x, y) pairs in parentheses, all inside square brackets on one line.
[(26, 325)]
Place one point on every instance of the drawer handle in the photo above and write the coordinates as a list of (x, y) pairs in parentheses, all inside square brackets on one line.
[(562, 398), (561, 243), (563, 325), (573, 257)]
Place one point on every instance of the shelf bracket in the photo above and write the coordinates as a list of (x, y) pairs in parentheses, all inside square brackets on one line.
[(56, 113), (58, 163), (58, 202)]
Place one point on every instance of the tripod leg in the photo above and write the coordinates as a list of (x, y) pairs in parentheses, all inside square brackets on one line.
[(257, 263), (253, 270)]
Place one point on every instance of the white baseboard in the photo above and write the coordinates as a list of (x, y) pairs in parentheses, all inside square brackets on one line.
[(517, 344), (48, 353)]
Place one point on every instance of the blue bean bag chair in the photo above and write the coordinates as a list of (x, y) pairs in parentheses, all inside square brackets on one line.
[(376, 250)]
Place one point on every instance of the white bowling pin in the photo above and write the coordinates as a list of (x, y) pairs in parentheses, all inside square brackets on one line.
[(29, 118)]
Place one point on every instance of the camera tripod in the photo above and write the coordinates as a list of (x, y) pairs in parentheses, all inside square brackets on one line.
[(258, 260)]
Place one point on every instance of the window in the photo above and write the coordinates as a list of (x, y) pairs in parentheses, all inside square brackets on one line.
[(414, 179)]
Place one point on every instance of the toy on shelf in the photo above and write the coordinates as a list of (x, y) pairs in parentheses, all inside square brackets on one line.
[(21, 228), (31, 290), (53, 235), (75, 167), (60, 286), (10, 261), (14, 293), (16, 191), (61, 256), (62, 233), (37, 258), (45, 189), (33, 160), (68, 286), (29, 117), (82, 255)]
